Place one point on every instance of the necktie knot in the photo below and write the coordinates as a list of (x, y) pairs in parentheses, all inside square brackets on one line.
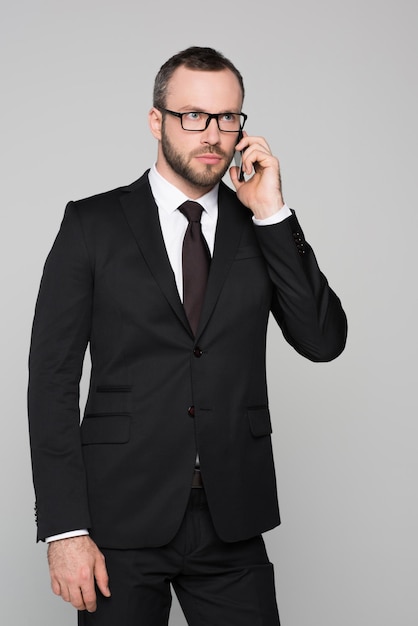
[(191, 210)]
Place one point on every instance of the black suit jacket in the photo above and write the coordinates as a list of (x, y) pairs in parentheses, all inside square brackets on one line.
[(126, 473)]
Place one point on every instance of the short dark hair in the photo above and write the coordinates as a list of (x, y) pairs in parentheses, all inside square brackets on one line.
[(194, 58)]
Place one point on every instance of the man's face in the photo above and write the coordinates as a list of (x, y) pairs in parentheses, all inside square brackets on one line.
[(197, 160)]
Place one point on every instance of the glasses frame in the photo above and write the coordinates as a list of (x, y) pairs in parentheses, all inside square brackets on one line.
[(211, 116)]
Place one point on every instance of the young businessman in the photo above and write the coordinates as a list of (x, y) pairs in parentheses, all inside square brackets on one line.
[(169, 481)]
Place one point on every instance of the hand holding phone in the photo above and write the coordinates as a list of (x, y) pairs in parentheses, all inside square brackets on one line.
[(261, 191)]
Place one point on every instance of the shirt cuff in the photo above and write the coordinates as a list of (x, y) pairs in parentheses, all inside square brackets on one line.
[(68, 535), (277, 217)]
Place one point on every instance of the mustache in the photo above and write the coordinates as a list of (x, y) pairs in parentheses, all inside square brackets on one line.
[(209, 150)]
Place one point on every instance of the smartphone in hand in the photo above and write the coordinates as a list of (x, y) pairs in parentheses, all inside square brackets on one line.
[(238, 159)]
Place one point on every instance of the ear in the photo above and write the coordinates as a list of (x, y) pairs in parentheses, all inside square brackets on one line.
[(155, 118)]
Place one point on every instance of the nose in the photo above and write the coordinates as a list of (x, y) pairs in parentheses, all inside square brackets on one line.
[(212, 133)]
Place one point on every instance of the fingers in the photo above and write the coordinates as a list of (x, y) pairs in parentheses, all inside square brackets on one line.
[(254, 150), (85, 595), (79, 592), (256, 158), (258, 155)]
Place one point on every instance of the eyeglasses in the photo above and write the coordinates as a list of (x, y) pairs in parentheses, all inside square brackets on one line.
[(199, 121)]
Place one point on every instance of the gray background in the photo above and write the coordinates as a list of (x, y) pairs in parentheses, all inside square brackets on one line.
[(333, 87)]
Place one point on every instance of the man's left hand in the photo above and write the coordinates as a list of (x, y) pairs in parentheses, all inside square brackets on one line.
[(262, 192)]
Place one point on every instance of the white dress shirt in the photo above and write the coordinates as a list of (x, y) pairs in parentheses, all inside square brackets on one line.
[(173, 226)]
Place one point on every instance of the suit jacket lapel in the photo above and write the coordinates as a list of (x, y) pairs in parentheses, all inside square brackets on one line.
[(141, 213), (231, 219)]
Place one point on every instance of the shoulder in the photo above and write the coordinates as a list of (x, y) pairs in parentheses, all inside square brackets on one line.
[(108, 199), (101, 216)]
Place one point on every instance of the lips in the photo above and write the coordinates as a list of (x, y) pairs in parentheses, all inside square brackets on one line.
[(209, 159)]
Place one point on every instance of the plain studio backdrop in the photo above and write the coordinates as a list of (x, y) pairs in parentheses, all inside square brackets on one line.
[(333, 87)]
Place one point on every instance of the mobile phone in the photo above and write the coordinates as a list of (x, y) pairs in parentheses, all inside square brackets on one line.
[(238, 159)]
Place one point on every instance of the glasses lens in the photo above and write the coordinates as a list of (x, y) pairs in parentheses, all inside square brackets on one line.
[(227, 122), (194, 120), (230, 122)]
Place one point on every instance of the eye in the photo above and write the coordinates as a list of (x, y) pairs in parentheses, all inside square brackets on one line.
[(193, 116), (229, 117)]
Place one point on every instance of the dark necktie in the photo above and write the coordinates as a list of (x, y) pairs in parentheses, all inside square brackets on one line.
[(196, 261)]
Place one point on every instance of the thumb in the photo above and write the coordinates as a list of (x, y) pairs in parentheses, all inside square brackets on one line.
[(101, 576), (233, 172)]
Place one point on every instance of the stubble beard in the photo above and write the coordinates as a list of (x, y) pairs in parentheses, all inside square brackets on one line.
[(180, 163)]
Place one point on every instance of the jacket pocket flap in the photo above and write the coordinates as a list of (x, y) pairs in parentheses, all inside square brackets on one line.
[(260, 423), (111, 428)]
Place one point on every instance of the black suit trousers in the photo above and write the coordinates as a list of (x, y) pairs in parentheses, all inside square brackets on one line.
[(217, 583)]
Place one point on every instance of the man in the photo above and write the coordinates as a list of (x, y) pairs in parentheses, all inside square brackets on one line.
[(170, 479)]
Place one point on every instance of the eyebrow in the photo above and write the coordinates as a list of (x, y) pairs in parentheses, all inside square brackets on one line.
[(189, 109)]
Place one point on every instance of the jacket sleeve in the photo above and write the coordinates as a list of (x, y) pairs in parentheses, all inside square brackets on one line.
[(60, 335), (306, 308)]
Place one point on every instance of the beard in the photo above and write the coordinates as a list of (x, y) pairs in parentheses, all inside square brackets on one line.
[(180, 163)]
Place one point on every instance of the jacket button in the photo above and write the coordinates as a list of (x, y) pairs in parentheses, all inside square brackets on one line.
[(197, 352), (190, 411)]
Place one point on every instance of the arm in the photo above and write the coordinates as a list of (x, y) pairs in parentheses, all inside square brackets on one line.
[(308, 311), (306, 308), (60, 334)]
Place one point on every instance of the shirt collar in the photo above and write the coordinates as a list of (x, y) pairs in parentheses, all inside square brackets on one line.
[(169, 198)]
